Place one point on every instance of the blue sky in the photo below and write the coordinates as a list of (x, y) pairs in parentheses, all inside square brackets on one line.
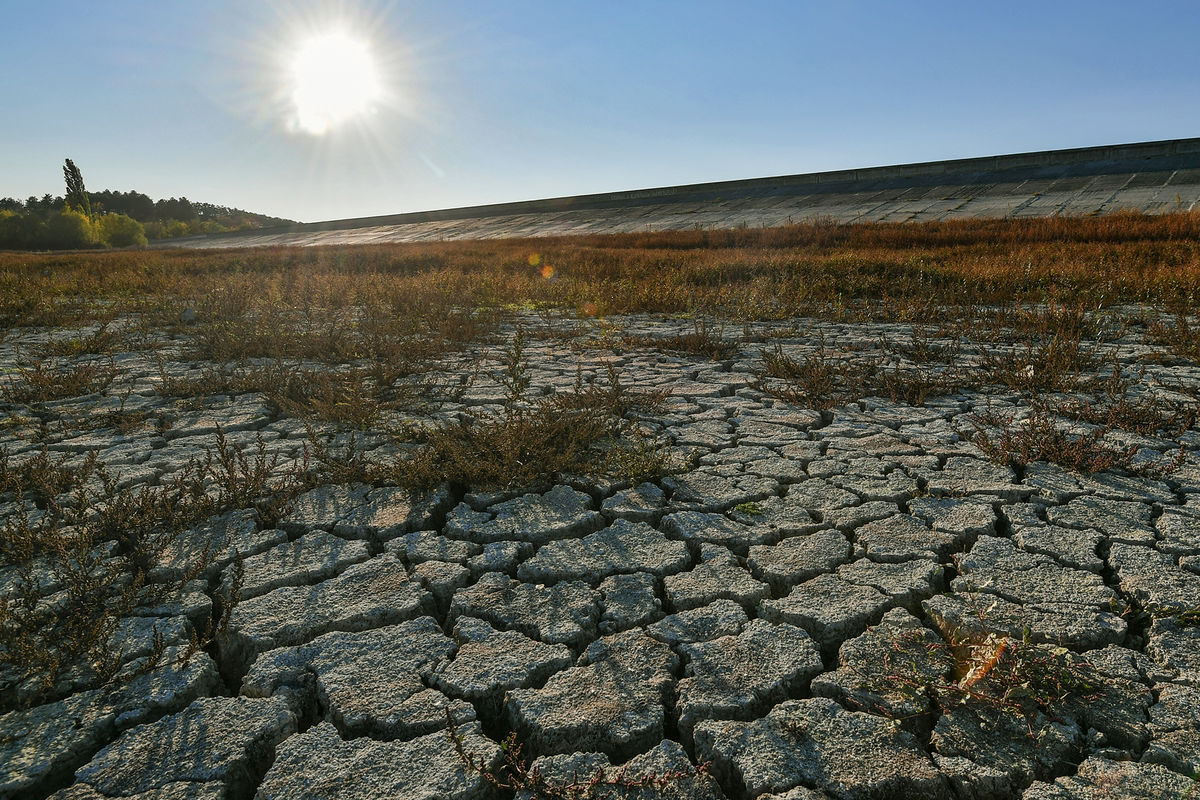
[(498, 101)]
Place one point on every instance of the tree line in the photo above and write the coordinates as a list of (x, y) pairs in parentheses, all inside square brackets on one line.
[(81, 219)]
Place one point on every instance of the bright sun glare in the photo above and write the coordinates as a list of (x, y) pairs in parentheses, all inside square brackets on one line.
[(334, 78)]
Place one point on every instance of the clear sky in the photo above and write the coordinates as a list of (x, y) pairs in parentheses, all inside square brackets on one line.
[(482, 101)]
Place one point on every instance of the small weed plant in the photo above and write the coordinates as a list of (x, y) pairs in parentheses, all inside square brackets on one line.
[(998, 675), (1041, 437), (82, 555), (44, 382), (513, 773), (528, 443)]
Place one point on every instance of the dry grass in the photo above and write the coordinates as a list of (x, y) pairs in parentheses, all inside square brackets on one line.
[(893, 271), (1042, 437), (43, 382), (99, 541), (590, 430), (355, 335)]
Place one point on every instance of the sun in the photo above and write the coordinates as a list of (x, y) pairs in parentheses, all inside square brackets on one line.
[(333, 78)]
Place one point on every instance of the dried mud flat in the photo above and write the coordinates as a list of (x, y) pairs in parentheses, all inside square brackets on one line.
[(852, 602)]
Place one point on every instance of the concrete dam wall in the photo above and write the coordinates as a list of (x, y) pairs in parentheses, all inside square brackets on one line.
[(1152, 177)]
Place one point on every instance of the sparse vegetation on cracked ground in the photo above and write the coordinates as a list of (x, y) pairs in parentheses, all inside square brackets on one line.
[(833, 511)]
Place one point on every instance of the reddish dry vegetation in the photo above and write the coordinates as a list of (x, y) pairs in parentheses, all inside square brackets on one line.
[(900, 270)]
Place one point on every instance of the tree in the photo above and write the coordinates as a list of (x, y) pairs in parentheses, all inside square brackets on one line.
[(77, 196)]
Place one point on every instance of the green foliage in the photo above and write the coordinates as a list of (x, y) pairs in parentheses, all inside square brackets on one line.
[(20, 231), (118, 230), (77, 195), (69, 230)]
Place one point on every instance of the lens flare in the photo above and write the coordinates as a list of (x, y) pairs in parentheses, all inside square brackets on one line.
[(547, 272), (535, 259)]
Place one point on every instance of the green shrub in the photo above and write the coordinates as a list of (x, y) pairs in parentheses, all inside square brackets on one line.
[(20, 231), (69, 230), (119, 230)]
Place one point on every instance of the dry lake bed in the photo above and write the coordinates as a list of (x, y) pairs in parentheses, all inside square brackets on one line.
[(817, 591)]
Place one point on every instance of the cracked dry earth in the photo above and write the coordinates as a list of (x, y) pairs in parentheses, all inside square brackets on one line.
[(779, 610)]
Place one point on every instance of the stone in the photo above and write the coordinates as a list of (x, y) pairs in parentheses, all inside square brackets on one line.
[(41, 745), (1175, 729), (815, 742), (307, 560), (1179, 532), (620, 782), (142, 692), (612, 702), (1098, 778), (700, 527), (995, 566), (463, 520), (1121, 521), (829, 608), (225, 739), (819, 495), (322, 507), (798, 793), (1000, 739), (1020, 516), (1176, 646), (707, 492), (905, 583), (391, 511), (893, 487), (783, 470), (851, 518), (566, 613), (719, 618), (138, 637), (368, 595), (1068, 624), (218, 541), (798, 558), (622, 547), (902, 538), (742, 676), (964, 477), (318, 763), (1117, 704), (888, 669), (628, 602), (560, 513), (489, 662), (1152, 579), (1071, 547), (190, 600), (420, 546), (877, 444), (788, 517), (177, 790), (441, 579), (718, 576), (499, 557), (963, 518), (643, 503), (969, 779), (370, 683)]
